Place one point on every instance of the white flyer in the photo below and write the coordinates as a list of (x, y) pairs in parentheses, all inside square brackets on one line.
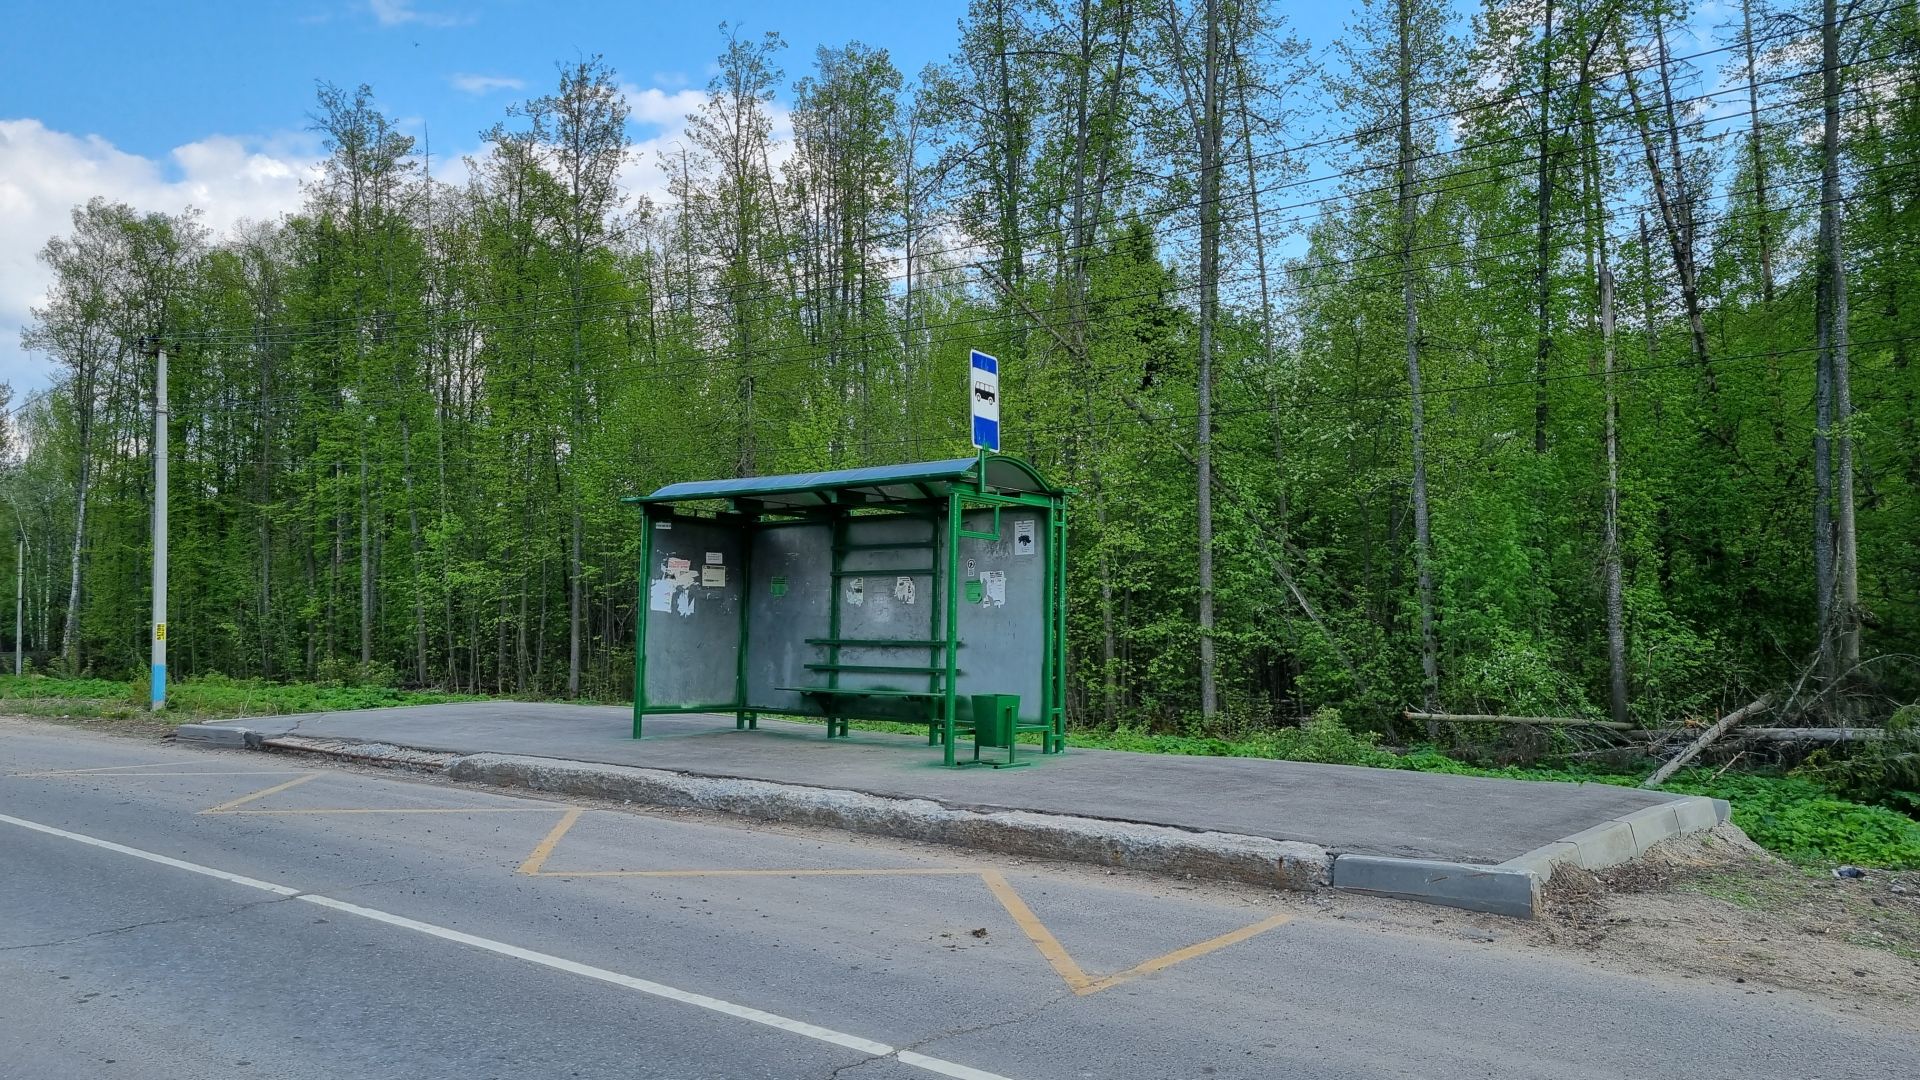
[(994, 583)]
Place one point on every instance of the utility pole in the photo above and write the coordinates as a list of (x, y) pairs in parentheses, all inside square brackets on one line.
[(160, 415)]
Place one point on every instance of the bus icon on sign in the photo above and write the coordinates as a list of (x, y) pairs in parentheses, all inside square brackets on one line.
[(986, 401)]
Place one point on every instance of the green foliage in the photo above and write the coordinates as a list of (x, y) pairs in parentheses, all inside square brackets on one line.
[(1324, 738), (199, 698), (1885, 770)]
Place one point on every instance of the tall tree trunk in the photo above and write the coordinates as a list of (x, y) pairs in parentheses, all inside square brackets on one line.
[(1422, 530), (70, 634), (1542, 277), (414, 545), (1757, 151), (1833, 256), (1616, 604), (1210, 108)]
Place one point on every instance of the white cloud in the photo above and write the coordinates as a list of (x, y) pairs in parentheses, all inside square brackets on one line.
[(653, 105), (402, 13), (44, 174), (485, 84), (653, 160)]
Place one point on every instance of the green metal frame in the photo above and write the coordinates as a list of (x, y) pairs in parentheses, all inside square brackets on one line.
[(944, 492)]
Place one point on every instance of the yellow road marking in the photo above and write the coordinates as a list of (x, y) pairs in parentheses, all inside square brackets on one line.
[(544, 848), (393, 810), (884, 871), (1037, 932), (1161, 963), (1055, 954), (227, 807), (144, 775)]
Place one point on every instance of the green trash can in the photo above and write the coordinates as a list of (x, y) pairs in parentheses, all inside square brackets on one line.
[(995, 720)]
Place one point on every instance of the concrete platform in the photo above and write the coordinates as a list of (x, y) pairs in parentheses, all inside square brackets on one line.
[(1346, 810)]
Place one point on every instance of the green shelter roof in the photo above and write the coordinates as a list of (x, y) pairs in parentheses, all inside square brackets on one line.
[(880, 483)]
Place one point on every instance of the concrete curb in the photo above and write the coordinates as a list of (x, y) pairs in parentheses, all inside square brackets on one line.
[(1510, 888), (236, 738), (1513, 887), (1256, 860)]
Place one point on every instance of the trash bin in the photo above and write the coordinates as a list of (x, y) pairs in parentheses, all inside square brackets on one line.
[(994, 717)]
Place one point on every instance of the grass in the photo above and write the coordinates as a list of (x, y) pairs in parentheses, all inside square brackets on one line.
[(210, 697)]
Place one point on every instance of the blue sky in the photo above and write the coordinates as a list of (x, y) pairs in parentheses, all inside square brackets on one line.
[(165, 105)]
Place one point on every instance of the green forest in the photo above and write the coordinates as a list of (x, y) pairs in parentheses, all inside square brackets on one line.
[(1537, 357)]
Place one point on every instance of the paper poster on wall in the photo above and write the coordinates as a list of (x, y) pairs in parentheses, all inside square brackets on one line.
[(660, 595), (1023, 538), (994, 584), (856, 591), (903, 589), (678, 564), (974, 592), (778, 586), (713, 577), (714, 558)]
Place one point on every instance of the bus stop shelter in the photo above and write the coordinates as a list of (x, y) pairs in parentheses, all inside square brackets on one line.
[(929, 593)]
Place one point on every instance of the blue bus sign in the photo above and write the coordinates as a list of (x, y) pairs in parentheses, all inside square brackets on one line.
[(985, 394)]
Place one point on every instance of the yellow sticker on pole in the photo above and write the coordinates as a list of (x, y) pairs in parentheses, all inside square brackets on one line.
[(159, 631)]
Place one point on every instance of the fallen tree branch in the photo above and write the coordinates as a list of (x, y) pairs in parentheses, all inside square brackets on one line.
[(1813, 734), (1540, 721), (1707, 738)]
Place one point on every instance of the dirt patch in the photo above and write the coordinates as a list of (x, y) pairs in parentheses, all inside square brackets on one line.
[(1715, 906)]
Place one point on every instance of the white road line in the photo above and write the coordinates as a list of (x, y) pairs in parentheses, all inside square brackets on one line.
[(163, 860), (938, 1066)]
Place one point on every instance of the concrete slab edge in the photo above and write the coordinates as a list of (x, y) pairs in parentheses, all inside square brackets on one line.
[(1513, 887), (237, 738), (1498, 890)]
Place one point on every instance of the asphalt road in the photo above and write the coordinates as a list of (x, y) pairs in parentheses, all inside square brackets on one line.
[(170, 913)]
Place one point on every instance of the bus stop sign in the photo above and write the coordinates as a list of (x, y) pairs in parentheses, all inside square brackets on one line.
[(986, 401)]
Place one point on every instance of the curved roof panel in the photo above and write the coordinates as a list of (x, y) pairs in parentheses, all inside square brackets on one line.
[(877, 483)]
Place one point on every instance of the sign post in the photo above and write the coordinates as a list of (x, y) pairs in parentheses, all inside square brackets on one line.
[(985, 395)]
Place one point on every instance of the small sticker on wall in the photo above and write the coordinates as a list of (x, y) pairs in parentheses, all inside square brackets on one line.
[(713, 577), (663, 526), (778, 586), (714, 558), (678, 564), (974, 592), (856, 591), (971, 570), (1023, 538), (903, 589), (994, 583)]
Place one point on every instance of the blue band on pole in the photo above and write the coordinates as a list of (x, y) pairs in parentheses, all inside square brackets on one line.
[(159, 684)]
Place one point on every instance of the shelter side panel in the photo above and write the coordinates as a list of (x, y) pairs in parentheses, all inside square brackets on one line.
[(788, 603), (692, 590), (1003, 607)]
